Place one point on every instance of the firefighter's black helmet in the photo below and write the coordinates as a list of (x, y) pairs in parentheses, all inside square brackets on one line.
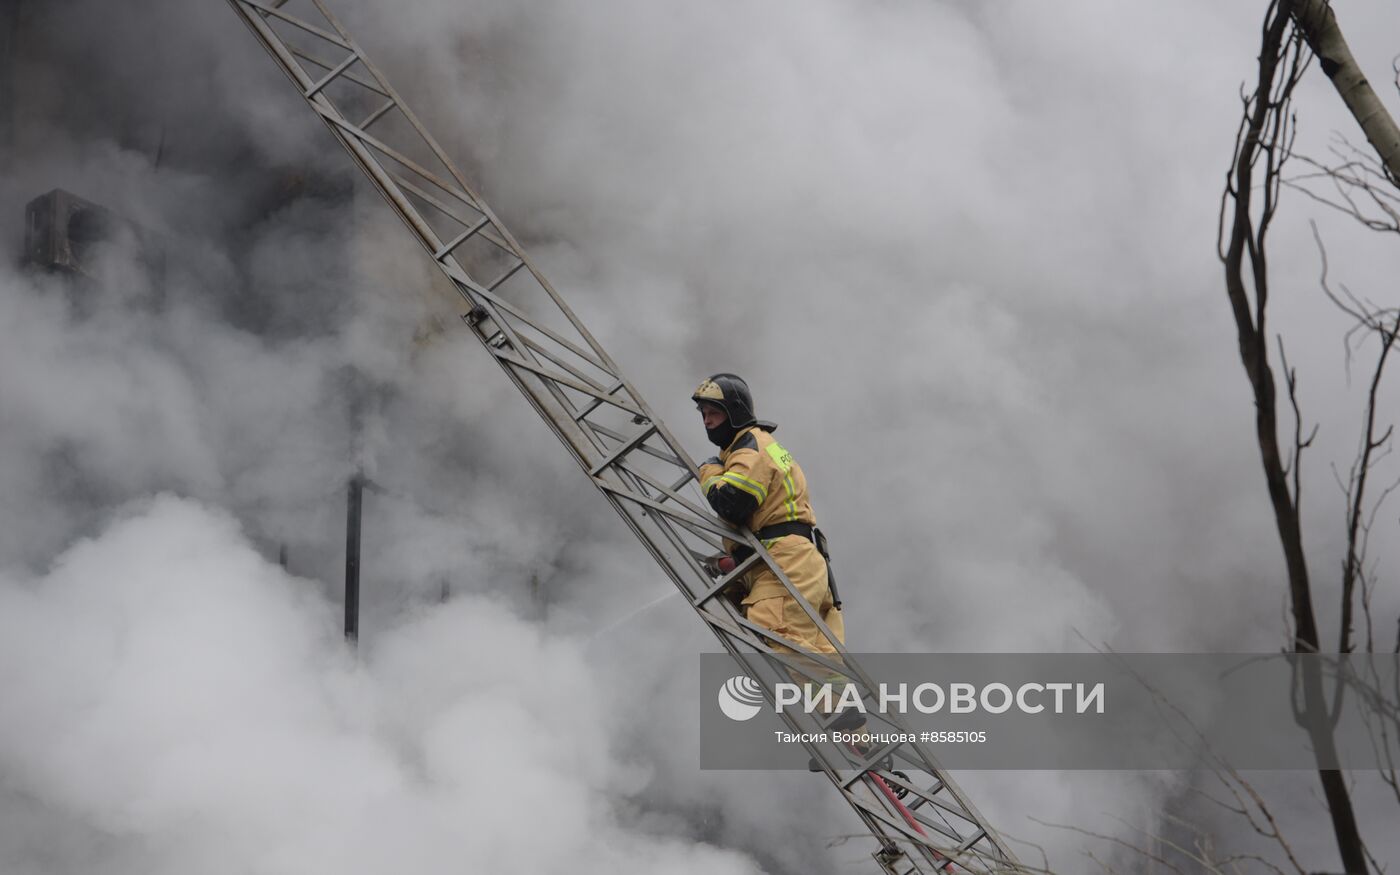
[(731, 393)]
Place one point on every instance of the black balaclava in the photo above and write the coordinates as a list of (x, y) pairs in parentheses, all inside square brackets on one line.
[(723, 434)]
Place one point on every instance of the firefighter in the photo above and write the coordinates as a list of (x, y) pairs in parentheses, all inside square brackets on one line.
[(755, 483)]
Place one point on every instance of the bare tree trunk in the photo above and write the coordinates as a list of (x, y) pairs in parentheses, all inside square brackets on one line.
[(1318, 24), (1263, 144)]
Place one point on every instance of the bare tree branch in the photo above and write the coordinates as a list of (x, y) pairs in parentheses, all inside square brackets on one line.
[(1318, 24), (1113, 840), (1267, 134)]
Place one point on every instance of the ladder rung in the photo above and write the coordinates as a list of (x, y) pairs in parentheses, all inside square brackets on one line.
[(739, 570), (506, 356), (496, 283), (708, 525), (596, 403), (276, 11), (367, 84), (867, 764), (974, 839), (330, 77), (927, 795), (460, 238), (623, 450), (599, 428), (378, 113), (685, 478)]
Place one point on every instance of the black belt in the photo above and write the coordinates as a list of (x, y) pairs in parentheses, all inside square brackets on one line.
[(778, 530)]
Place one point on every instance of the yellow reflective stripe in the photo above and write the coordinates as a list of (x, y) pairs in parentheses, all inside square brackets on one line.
[(791, 497), (710, 483), (752, 487)]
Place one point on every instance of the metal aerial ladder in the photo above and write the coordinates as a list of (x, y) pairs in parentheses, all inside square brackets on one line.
[(607, 427)]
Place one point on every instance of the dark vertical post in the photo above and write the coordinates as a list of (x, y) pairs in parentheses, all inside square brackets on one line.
[(354, 500), (9, 41)]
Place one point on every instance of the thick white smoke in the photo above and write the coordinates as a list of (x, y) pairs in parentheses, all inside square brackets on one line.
[(173, 700), (964, 254)]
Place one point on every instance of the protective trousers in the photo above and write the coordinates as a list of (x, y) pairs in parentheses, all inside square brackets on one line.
[(769, 605)]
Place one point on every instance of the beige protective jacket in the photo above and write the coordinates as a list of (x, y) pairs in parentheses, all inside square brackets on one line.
[(756, 484)]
